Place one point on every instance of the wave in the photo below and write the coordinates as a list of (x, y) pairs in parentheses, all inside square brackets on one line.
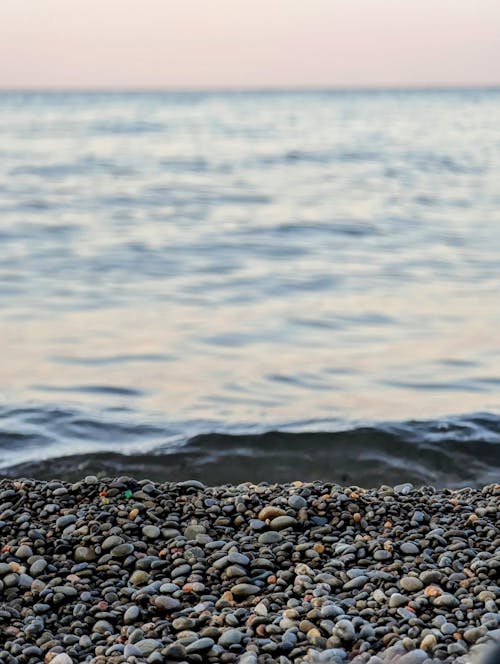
[(68, 444)]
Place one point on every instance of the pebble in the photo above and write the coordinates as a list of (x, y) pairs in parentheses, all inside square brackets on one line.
[(200, 645), (411, 584), (84, 554), (131, 615), (61, 658), (304, 572), (245, 589), (281, 522), (230, 637), (152, 532), (147, 646)]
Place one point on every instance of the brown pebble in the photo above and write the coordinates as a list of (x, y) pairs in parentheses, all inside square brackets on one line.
[(270, 512)]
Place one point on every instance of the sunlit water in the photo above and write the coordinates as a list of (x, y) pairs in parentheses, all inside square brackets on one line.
[(176, 264)]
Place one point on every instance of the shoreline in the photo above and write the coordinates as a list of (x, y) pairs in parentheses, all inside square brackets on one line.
[(123, 570)]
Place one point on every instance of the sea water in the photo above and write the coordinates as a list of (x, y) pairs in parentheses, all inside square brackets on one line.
[(184, 264)]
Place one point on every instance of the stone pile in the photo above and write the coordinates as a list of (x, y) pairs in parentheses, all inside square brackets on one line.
[(119, 570)]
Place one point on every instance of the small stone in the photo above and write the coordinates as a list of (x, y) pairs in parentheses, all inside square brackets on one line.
[(180, 624), (151, 532), (147, 646), (131, 615), (403, 489), (61, 658), (473, 634), (416, 656), (166, 603), (409, 549), (111, 541), (65, 521), (103, 627), (245, 589), (411, 584), (38, 567), (84, 554), (282, 522), (396, 600), (357, 582), (131, 650), (238, 558), (230, 637), (270, 537), (270, 512), (447, 600), (431, 576), (297, 502), (194, 529), (175, 651), (139, 577), (200, 645), (428, 642), (382, 554), (192, 484), (122, 550), (344, 630)]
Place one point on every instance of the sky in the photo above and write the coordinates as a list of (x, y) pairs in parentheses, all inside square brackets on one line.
[(248, 43)]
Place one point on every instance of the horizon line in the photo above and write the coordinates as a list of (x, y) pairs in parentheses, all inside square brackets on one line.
[(254, 89)]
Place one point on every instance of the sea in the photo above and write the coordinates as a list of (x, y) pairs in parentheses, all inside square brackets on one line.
[(251, 285)]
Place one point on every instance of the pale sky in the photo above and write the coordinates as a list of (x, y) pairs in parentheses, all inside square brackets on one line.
[(248, 43)]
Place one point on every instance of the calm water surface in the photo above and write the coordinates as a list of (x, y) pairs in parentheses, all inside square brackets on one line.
[(182, 264)]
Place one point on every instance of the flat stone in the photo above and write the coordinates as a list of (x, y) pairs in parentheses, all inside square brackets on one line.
[(131, 650), (122, 550), (38, 567), (201, 645), (245, 589), (62, 658), (403, 489), (446, 599), (411, 584), (103, 627), (175, 651), (166, 603), (24, 551), (238, 558), (357, 582), (382, 554), (111, 541), (230, 637), (139, 577), (270, 537), (147, 646), (297, 502), (270, 512), (282, 522), (409, 549), (151, 532), (84, 554), (131, 614), (416, 656), (194, 529), (65, 521)]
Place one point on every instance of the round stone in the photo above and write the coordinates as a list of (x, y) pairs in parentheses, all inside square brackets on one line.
[(411, 584), (84, 554), (151, 532), (245, 589), (200, 645), (282, 522)]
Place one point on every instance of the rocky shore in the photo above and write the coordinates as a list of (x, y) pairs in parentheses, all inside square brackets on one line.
[(120, 570)]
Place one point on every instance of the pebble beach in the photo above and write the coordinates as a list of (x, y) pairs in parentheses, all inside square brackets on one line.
[(120, 570)]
